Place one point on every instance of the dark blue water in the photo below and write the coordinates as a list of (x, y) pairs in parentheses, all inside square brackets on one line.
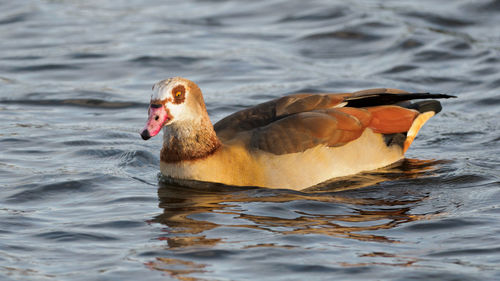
[(80, 194)]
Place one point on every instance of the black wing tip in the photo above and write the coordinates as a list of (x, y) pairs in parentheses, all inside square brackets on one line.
[(436, 96), (390, 98)]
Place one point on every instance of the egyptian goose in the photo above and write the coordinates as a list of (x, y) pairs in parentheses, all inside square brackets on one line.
[(295, 141)]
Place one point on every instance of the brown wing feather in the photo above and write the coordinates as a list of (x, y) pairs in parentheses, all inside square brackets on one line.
[(266, 113), (309, 102), (378, 91), (301, 131)]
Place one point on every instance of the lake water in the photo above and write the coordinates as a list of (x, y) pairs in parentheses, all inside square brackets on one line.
[(80, 194)]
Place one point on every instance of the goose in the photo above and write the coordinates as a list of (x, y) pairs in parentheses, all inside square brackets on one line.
[(294, 142)]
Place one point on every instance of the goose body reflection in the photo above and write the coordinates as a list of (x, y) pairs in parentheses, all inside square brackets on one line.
[(205, 217)]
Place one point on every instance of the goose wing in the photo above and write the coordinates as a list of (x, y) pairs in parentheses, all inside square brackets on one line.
[(298, 122)]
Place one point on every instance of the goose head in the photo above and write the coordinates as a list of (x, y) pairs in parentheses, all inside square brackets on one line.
[(174, 101)]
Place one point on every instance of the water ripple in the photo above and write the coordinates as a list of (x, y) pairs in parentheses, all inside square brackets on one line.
[(45, 67), (93, 103), (58, 189), (441, 20), (65, 236)]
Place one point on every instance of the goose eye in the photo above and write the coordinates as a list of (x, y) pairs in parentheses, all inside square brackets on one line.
[(179, 94)]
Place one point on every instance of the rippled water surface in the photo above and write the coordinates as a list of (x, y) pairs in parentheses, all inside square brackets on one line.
[(80, 194)]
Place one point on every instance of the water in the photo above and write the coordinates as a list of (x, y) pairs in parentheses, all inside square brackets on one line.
[(81, 198)]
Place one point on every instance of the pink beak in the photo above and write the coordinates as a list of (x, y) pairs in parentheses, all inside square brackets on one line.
[(157, 118)]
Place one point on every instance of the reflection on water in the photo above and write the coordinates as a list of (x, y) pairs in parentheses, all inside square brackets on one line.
[(176, 268), (190, 211), (397, 260)]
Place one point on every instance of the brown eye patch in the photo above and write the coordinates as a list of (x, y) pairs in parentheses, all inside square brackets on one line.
[(179, 94)]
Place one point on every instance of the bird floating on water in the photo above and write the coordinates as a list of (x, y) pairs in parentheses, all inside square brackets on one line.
[(294, 142)]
